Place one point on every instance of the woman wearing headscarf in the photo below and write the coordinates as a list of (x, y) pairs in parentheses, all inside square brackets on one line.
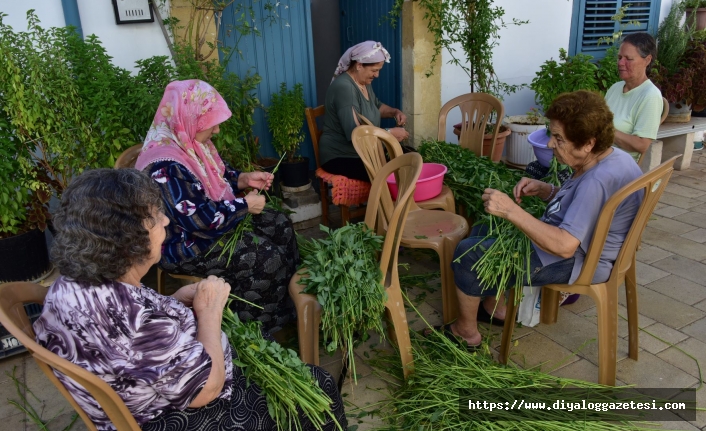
[(200, 194), (349, 95)]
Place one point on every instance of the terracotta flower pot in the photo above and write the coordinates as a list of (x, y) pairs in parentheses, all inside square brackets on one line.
[(700, 18), (499, 143)]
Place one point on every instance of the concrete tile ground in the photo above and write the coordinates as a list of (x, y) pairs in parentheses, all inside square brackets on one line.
[(672, 303)]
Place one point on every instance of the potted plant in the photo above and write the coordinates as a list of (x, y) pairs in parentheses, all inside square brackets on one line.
[(44, 133), (285, 117), (671, 74), (566, 75), (518, 149), (696, 13), (468, 31), (23, 213), (58, 118)]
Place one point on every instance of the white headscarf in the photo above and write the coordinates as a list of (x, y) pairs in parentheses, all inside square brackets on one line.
[(365, 52)]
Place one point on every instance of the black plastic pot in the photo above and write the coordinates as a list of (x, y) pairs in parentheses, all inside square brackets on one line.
[(295, 174), (23, 257), (268, 165)]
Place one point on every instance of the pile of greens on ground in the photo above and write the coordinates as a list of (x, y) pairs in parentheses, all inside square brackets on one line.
[(284, 379), (343, 272), (429, 398), (468, 176)]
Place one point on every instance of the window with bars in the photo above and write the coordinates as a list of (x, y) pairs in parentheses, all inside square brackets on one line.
[(592, 20)]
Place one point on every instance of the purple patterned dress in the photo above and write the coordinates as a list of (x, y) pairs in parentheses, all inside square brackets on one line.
[(144, 346)]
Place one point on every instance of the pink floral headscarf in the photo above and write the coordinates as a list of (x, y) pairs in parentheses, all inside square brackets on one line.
[(365, 52), (189, 107)]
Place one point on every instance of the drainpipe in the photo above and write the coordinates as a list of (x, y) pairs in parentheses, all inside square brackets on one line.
[(71, 15)]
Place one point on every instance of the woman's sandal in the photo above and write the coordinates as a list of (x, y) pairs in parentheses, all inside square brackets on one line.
[(446, 330), (485, 317)]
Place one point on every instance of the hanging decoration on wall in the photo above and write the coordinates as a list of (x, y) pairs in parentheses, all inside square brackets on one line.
[(132, 11)]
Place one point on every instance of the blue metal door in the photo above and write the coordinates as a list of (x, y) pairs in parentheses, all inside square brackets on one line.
[(363, 20), (284, 52)]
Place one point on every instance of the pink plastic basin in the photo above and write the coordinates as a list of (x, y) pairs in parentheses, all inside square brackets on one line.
[(539, 140), (428, 185)]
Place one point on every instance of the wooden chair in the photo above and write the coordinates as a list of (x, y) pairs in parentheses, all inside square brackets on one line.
[(13, 317), (128, 157), (440, 231), (407, 169), (357, 189), (605, 294), (127, 160), (476, 110)]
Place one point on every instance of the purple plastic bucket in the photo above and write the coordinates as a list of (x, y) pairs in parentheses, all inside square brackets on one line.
[(539, 140)]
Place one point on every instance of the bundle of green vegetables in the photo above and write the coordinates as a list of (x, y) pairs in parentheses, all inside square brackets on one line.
[(344, 274), (429, 398), (468, 176), (284, 379), (229, 242)]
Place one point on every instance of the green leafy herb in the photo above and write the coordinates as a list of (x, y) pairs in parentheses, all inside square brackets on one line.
[(230, 245), (468, 175), (344, 274), (284, 379)]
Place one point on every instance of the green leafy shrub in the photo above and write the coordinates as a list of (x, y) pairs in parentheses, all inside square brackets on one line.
[(65, 108), (41, 99), (473, 27), (694, 4), (285, 117), (566, 75), (607, 73)]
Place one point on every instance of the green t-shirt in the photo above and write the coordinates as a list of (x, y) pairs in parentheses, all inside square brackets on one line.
[(342, 97), (636, 112)]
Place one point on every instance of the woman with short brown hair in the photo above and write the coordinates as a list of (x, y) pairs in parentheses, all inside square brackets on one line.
[(582, 135)]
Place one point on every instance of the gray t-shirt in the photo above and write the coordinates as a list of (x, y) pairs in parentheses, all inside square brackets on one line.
[(577, 205), (342, 97)]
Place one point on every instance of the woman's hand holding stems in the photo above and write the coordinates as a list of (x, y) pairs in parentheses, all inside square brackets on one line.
[(256, 180)]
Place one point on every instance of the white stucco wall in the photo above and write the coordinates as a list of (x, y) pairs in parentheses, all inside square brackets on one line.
[(126, 43), (49, 12), (521, 51)]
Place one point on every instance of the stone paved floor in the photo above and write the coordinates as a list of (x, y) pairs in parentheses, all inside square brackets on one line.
[(672, 302)]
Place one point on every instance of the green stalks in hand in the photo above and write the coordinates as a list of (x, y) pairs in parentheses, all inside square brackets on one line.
[(508, 258), (245, 226), (344, 274), (283, 378)]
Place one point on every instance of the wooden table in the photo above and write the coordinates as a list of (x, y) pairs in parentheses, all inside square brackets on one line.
[(678, 138)]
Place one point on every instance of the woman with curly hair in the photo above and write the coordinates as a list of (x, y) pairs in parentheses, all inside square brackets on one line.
[(202, 200), (582, 137), (171, 364)]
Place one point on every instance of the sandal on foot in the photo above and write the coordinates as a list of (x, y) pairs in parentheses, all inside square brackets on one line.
[(446, 330), (485, 317)]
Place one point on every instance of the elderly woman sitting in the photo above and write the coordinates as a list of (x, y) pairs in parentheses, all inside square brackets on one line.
[(171, 364), (349, 95), (582, 136), (201, 199)]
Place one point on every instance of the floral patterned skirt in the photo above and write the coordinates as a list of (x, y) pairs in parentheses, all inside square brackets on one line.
[(259, 271)]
